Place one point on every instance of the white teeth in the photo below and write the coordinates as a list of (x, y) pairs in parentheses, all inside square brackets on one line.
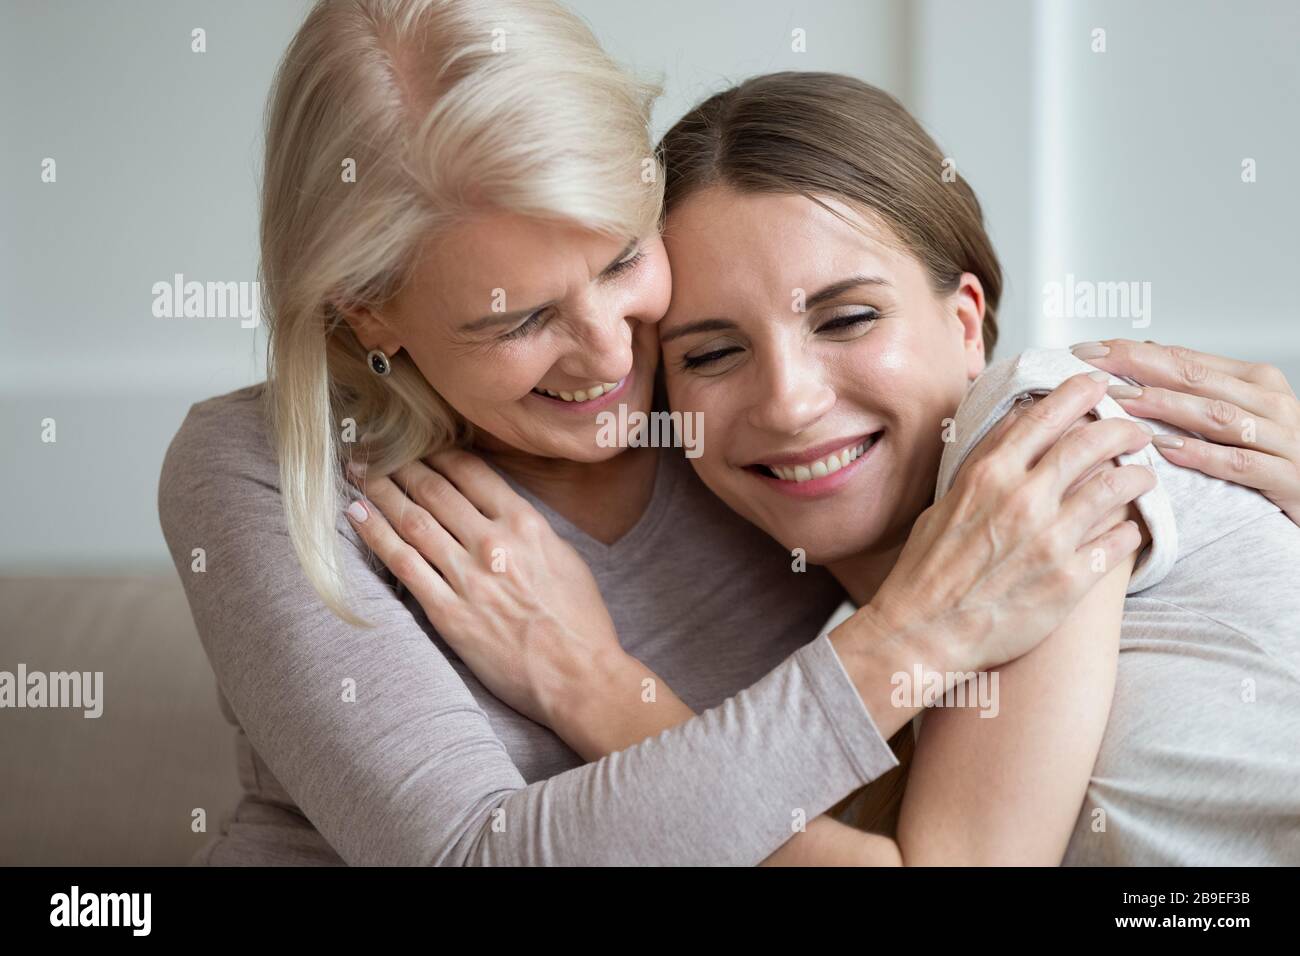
[(823, 467), (582, 394)]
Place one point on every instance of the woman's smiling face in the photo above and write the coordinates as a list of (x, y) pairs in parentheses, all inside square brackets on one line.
[(822, 361), (529, 328)]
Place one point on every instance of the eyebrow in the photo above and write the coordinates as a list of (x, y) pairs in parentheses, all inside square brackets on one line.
[(817, 298), (505, 318)]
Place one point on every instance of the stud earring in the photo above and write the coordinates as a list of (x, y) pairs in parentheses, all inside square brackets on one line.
[(379, 363)]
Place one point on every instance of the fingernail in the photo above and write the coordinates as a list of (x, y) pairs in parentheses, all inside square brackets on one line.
[(1090, 350), (358, 512), (1124, 391), (1167, 441), (1099, 376), (1145, 427)]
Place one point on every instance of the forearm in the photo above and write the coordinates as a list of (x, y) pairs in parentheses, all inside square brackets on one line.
[(618, 703), (627, 703)]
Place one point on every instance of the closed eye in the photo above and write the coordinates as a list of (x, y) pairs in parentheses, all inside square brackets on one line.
[(707, 358), (625, 265), (534, 320), (526, 326), (840, 323)]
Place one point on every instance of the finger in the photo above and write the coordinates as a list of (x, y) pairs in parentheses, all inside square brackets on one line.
[(1103, 497), (443, 500), (1098, 556), (1108, 521), (1153, 357), (417, 528), (1254, 469), (1178, 368), (1086, 447), (1217, 420), (1039, 426), (406, 563), (991, 437), (486, 490)]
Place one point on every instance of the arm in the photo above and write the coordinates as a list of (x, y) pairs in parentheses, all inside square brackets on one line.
[(1006, 788), (411, 772)]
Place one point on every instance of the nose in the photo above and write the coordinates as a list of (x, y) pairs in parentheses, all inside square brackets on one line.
[(601, 347), (793, 393)]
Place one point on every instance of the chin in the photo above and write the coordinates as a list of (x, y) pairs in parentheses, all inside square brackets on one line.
[(829, 538), (835, 548)]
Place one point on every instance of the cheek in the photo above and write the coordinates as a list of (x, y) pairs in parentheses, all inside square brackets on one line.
[(475, 384)]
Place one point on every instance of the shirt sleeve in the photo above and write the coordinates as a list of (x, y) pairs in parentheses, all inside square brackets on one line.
[(410, 772), (1037, 372)]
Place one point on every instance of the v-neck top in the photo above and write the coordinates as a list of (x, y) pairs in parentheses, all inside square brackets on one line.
[(423, 765)]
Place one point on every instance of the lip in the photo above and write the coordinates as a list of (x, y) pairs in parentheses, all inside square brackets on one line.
[(815, 453), (827, 484), (593, 405)]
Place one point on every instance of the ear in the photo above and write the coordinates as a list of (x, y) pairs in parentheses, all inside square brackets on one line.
[(967, 304), (373, 330)]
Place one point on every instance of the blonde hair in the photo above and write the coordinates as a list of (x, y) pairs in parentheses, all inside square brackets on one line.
[(443, 108)]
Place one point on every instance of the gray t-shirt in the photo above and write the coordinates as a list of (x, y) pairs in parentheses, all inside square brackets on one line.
[(1200, 761), (428, 767)]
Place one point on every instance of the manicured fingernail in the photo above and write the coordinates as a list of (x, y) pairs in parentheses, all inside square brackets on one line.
[(1145, 427), (358, 512), (1090, 350), (1167, 441), (1124, 391), (1099, 376)]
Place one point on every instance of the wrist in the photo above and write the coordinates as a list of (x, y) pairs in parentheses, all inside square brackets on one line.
[(583, 701), (882, 655)]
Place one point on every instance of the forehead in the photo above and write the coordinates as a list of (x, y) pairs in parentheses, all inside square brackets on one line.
[(722, 242)]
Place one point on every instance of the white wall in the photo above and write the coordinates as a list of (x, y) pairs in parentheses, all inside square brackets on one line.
[(156, 152), (1126, 165), (1122, 165)]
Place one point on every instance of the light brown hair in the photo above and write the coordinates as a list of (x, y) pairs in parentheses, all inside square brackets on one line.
[(829, 135)]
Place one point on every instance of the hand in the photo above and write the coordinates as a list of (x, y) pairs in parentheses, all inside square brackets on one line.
[(1001, 560), (515, 601), (1247, 413)]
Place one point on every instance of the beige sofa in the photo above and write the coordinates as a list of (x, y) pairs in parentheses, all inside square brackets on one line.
[(121, 788)]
